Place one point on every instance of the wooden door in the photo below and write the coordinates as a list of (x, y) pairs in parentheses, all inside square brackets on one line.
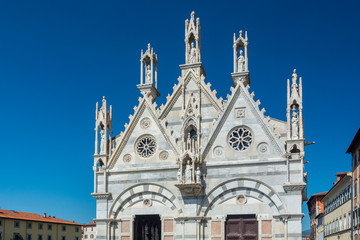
[(241, 227)]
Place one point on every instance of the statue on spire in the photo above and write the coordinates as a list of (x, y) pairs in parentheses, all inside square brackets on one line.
[(294, 124), (241, 62)]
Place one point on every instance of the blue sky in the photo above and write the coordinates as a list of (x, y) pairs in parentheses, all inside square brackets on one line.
[(58, 58)]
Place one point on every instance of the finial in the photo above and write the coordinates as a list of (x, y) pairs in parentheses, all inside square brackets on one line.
[(246, 37), (192, 14), (149, 46), (103, 97), (294, 75), (240, 33)]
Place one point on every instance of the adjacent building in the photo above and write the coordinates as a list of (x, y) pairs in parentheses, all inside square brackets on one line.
[(89, 231), (316, 207), (320, 226), (201, 166), (337, 209), (354, 149), (15, 225)]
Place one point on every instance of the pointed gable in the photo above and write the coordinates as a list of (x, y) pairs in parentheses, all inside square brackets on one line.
[(191, 88), (242, 111), (144, 123)]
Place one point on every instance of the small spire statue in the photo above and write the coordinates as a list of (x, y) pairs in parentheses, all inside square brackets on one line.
[(192, 53), (148, 75), (241, 62), (294, 125), (103, 142)]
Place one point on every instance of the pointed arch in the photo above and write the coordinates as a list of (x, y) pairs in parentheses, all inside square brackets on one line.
[(191, 121), (252, 187)]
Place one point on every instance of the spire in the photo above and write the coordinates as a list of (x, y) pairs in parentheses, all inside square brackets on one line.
[(241, 65), (192, 40), (192, 47), (103, 123), (148, 67), (295, 122)]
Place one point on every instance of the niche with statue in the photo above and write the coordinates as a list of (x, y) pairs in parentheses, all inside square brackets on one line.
[(189, 172)]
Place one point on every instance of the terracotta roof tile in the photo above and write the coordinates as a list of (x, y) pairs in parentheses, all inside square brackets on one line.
[(12, 214), (342, 173), (320, 194), (90, 224)]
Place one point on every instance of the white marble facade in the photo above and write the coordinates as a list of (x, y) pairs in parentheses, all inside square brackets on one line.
[(199, 159)]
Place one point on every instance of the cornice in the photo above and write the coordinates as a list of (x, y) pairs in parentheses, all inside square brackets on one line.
[(102, 196), (289, 187)]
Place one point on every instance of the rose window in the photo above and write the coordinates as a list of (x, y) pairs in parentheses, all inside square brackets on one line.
[(145, 146), (240, 139)]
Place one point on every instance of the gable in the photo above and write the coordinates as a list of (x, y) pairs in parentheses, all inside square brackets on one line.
[(242, 112), (144, 126), (210, 107)]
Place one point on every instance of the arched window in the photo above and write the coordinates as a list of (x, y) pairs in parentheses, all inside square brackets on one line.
[(190, 130), (190, 134), (294, 149), (99, 165)]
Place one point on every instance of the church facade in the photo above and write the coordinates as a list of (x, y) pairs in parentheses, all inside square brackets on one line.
[(200, 167)]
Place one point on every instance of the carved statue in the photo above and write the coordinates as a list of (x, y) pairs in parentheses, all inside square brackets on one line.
[(188, 143), (294, 125), (103, 142), (241, 62), (192, 53), (179, 175), (188, 173), (198, 175), (148, 74)]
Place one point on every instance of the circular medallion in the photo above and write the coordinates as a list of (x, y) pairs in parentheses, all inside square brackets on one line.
[(145, 146), (240, 138), (147, 202), (163, 155), (241, 199), (262, 147), (145, 123), (218, 151), (127, 158)]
